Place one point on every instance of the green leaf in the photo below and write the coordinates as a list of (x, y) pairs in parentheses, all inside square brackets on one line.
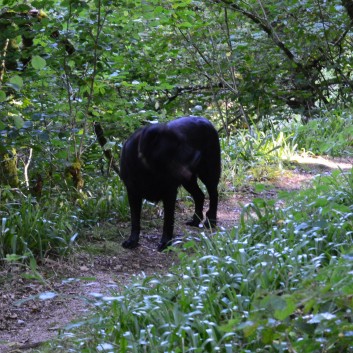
[(321, 202), (19, 122), (259, 188), (285, 308), (38, 62), (189, 244), (15, 82), (248, 327), (185, 25), (268, 334), (2, 96), (13, 257)]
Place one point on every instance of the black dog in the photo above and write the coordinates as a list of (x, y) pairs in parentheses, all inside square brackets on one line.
[(158, 158)]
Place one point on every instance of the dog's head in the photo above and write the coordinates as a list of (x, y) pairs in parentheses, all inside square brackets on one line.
[(163, 150)]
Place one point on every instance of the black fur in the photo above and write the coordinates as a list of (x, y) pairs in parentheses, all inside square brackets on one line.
[(158, 158)]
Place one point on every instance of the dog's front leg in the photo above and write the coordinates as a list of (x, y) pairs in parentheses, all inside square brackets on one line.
[(168, 225), (135, 202)]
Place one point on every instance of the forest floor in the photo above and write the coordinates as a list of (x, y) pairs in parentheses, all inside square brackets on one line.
[(34, 310)]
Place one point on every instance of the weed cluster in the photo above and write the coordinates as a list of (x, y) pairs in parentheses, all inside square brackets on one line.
[(32, 230)]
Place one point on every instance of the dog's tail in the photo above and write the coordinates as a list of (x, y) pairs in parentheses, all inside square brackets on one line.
[(107, 152)]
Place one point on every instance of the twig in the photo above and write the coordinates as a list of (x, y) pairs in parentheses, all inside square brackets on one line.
[(26, 165)]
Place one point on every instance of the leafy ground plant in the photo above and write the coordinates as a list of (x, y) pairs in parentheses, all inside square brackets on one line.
[(105, 199), (38, 228), (280, 282), (29, 229)]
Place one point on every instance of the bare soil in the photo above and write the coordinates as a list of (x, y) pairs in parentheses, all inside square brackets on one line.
[(27, 319)]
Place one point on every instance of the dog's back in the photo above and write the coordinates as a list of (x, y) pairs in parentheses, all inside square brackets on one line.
[(201, 135)]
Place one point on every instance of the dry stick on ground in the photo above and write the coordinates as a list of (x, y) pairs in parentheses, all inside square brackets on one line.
[(107, 152)]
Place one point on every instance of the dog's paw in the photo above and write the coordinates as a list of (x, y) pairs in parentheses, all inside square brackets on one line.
[(130, 244), (193, 222), (163, 245)]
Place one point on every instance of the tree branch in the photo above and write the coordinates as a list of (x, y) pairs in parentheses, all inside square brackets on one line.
[(178, 91), (107, 152), (265, 27)]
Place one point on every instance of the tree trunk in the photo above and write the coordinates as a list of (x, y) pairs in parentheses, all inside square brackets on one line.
[(348, 4)]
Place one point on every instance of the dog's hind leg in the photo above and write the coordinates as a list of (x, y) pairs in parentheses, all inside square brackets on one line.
[(199, 200)]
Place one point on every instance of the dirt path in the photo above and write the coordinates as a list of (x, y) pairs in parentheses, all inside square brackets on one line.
[(26, 319)]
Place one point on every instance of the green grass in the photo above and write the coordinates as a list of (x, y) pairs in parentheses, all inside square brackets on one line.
[(279, 282), (29, 229), (254, 156), (50, 226), (330, 134), (104, 199)]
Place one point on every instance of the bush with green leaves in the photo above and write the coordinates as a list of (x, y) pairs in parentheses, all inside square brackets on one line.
[(280, 282)]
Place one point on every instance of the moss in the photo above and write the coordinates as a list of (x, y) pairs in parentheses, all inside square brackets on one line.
[(8, 168), (73, 172)]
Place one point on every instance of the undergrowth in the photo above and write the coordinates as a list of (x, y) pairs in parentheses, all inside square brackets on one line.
[(254, 156), (331, 134), (279, 282), (36, 228)]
